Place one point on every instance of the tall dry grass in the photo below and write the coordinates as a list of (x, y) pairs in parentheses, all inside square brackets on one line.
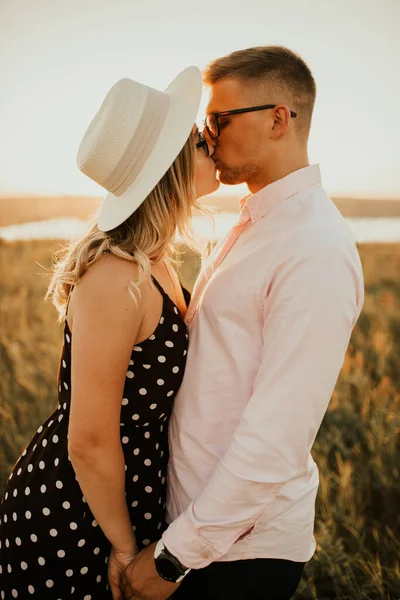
[(357, 449)]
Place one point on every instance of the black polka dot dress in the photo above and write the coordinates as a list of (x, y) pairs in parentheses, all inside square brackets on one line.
[(51, 546)]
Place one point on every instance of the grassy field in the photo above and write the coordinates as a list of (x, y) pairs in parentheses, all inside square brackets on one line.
[(357, 449)]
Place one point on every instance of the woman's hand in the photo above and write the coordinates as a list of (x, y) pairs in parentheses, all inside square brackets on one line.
[(117, 563)]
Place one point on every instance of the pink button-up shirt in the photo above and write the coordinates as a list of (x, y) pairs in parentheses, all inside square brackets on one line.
[(269, 321)]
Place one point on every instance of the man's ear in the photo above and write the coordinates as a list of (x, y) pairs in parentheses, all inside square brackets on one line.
[(281, 116)]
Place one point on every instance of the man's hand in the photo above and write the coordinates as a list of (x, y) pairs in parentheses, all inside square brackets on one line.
[(117, 564), (140, 578)]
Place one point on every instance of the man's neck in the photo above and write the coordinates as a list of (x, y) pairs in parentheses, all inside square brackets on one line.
[(279, 171)]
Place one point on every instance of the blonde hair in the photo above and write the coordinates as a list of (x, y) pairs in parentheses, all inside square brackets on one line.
[(146, 236), (272, 69)]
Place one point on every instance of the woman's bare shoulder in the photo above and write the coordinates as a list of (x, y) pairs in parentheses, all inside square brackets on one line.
[(106, 284)]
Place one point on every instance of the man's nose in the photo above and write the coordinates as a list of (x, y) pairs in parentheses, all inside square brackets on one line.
[(211, 143), (209, 139)]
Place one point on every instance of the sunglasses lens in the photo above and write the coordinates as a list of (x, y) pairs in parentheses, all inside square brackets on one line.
[(212, 126)]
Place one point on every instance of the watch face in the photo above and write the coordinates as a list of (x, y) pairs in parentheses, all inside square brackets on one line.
[(167, 569)]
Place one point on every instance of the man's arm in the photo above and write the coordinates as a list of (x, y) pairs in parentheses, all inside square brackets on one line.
[(309, 311)]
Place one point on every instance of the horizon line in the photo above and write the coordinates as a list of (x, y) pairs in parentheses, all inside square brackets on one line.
[(9, 195)]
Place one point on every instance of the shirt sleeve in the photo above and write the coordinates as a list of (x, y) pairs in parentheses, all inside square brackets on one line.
[(309, 308)]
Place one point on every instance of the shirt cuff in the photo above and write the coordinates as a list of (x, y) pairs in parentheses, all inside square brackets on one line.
[(184, 541)]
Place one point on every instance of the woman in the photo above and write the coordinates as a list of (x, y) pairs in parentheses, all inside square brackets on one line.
[(89, 491)]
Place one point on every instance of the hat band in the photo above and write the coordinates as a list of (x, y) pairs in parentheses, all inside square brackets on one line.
[(142, 143)]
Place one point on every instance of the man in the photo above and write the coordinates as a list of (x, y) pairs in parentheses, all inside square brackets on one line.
[(270, 320)]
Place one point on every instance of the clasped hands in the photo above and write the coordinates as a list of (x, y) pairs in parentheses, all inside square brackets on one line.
[(133, 576)]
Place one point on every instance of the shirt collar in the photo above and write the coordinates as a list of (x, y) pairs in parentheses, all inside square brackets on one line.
[(259, 204)]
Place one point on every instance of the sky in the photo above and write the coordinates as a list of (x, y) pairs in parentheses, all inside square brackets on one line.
[(58, 59)]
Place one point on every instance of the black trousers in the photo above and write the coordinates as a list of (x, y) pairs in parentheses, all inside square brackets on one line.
[(256, 579)]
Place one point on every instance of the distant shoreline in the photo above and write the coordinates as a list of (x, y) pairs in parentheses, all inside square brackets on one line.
[(15, 210), (365, 229)]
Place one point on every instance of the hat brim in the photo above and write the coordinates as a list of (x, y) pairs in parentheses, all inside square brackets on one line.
[(185, 95)]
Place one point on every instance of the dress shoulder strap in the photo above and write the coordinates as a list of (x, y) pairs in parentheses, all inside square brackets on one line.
[(158, 286), (69, 298)]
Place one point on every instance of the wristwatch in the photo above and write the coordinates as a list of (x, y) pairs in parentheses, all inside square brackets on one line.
[(167, 565)]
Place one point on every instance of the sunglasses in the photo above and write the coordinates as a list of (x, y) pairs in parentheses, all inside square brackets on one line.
[(202, 143), (212, 120)]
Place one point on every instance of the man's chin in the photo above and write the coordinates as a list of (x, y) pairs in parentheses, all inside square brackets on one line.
[(228, 178)]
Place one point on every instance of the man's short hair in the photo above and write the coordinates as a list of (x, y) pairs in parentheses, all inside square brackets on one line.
[(273, 69)]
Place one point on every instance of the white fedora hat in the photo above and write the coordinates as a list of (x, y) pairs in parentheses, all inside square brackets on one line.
[(134, 138)]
